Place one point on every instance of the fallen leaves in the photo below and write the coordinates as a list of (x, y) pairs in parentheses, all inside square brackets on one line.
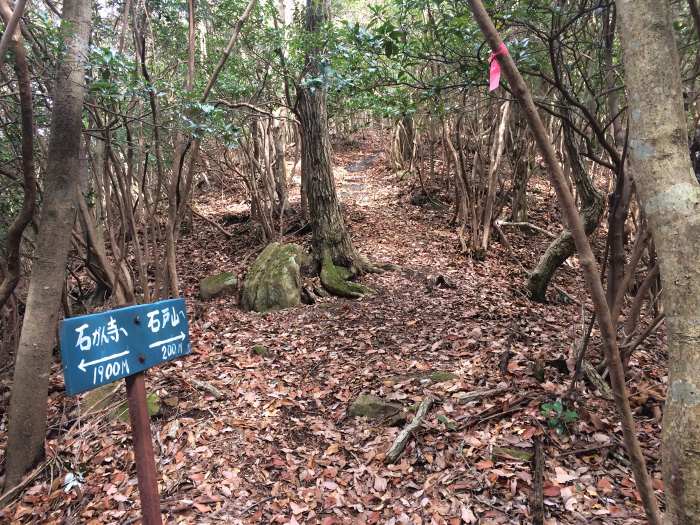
[(278, 446)]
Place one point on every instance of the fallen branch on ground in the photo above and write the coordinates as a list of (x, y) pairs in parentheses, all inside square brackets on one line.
[(527, 226), (491, 413), (213, 223), (537, 501), (480, 394), (403, 437), (208, 388), (585, 450)]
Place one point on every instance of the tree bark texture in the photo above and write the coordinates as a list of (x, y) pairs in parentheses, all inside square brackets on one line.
[(494, 163), (329, 233), (402, 148), (520, 157), (279, 165), (27, 424), (670, 197), (563, 247), (12, 268)]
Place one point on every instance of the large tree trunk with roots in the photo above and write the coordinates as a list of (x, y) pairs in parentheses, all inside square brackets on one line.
[(332, 246), (670, 196), (563, 247), (329, 234), (27, 426)]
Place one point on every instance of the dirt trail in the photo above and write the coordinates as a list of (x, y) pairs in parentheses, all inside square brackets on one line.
[(293, 448), (278, 447)]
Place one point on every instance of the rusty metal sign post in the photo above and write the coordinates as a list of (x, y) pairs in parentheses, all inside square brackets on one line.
[(102, 348)]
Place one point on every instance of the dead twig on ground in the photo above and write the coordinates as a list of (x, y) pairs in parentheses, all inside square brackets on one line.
[(481, 394), (527, 226), (213, 223), (208, 388), (537, 498), (256, 504), (403, 437)]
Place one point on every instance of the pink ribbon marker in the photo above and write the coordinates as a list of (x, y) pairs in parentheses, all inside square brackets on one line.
[(495, 67)]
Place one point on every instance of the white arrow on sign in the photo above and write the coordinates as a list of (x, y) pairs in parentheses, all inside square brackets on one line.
[(84, 364), (180, 337)]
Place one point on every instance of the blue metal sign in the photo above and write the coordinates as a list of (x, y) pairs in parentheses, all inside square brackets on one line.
[(100, 348)]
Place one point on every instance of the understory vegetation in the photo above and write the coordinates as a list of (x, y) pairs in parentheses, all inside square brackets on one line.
[(440, 258)]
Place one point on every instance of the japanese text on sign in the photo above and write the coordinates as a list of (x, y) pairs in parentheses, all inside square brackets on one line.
[(100, 348)]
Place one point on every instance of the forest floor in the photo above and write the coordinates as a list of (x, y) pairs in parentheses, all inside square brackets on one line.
[(278, 445)]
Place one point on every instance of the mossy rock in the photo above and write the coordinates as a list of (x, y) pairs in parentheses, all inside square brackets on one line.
[(99, 398), (273, 282), (152, 404), (107, 395), (262, 351), (375, 408), (221, 284), (441, 376)]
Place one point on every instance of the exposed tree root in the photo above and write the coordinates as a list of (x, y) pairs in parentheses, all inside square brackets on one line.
[(335, 279), (367, 266)]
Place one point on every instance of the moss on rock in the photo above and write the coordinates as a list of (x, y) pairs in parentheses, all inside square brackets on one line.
[(152, 405), (374, 407), (262, 351), (273, 281), (100, 398), (440, 376), (107, 398), (223, 283)]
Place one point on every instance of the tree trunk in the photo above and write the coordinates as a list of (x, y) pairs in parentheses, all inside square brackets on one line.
[(618, 210), (27, 425), (563, 247), (521, 176), (402, 150), (494, 162), (670, 196), (16, 229), (461, 202), (520, 155), (279, 167), (619, 201), (591, 202), (330, 237), (589, 267)]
